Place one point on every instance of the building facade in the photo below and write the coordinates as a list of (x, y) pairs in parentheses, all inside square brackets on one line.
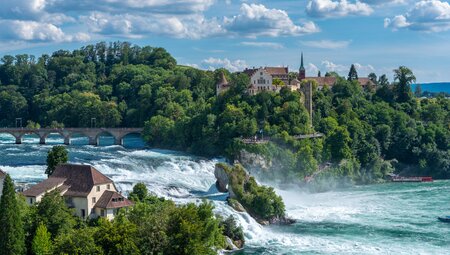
[(90, 193)]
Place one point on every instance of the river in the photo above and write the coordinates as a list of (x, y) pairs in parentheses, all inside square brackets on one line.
[(392, 218)]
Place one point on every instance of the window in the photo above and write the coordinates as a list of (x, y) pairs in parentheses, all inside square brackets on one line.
[(31, 201), (83, 213), (98, 188), (108, 186), (94, 200), (261, 73), (102, 213)]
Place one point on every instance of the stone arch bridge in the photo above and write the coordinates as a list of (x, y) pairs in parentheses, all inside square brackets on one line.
[(67, 133)]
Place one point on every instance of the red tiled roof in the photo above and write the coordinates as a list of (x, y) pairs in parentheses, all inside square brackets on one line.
[(365, 82), (277, 70), (111, 199), (250, 72), (2, 174), (44, 186), (80, 178), (330, 81)]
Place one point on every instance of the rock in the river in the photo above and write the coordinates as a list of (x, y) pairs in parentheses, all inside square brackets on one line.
[(236, 205), (222, 179)]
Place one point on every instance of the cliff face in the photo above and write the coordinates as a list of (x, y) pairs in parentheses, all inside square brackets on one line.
[(254, 160)]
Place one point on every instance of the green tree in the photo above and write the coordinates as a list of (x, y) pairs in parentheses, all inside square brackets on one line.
[(117, 237), (194, 230), (12, 237), (78, 242), (418, 91), (373, 77), (338, 144), (352, 74), (56, 156), (405, 77), (383, 80), (53, 212), (42, 244), (140, 192)]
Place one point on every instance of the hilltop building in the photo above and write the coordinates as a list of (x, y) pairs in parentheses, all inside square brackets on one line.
[(84, 188), (263, 79), (268, 79), (329, 80), (2, 179)]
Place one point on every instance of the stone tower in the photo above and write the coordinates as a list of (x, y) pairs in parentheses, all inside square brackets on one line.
[(222, 85), (307, 90), (301, 71)]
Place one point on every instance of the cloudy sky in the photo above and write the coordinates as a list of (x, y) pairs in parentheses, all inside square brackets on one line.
[(376, 35)]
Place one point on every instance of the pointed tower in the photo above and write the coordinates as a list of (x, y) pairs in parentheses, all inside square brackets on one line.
[(301, 71), (222, 85)]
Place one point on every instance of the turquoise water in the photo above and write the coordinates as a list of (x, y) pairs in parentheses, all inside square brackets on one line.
[(434, 87), (392, 218)]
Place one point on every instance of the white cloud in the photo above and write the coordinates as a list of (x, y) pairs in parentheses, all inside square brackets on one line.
[(330, 66), (22, 9), (190, 26), (263, 45), (364, 68), (311, 69), (340, 8), (233, 66), (428, 15), (35, 31), (326, 44), (257, 20), (384, 2)]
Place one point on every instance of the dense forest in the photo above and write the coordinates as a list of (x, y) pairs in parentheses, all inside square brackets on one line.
[(368, 132)]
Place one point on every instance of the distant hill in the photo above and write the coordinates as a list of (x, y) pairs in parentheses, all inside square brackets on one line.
[(433, 87)]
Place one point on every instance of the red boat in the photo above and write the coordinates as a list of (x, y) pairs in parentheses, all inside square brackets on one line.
[(412, 179)]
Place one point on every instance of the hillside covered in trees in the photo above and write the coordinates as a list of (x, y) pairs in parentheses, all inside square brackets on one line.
[(368, 133)]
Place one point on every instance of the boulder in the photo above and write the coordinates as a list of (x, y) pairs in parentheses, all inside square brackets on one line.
[(236, 205), (222, 179)]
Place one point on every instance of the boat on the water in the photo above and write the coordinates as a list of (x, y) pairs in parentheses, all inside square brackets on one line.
[(444, 219), (396, 178)]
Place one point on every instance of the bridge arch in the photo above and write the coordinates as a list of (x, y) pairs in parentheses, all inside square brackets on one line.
[(132, 139), (7, 137), (111, 139), (56, 137), (77, 138)]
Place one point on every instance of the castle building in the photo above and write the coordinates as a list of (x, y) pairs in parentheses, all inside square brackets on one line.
[(274, 78), (270, 79), (329, 81)]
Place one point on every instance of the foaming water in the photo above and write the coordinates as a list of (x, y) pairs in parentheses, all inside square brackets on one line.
[(377, 219)]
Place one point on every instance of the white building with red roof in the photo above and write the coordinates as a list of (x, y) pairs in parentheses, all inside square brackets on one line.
[(90, 193)]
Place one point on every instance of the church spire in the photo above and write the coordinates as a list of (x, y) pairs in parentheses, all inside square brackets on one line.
[(301, 65), (301, 71)]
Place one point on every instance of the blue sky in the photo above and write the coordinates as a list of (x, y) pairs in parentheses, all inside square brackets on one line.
[(376, 35)]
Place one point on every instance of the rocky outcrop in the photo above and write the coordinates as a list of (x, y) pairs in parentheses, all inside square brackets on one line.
[(233, 245), (254, 160), (236, 205), (237, 181)]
